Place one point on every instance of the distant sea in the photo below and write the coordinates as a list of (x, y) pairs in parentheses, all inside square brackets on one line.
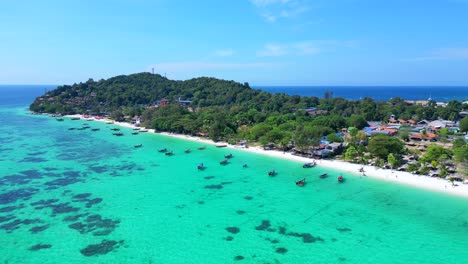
[(71, 194), (378, 93)]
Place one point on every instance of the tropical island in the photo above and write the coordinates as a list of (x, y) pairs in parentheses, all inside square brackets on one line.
[(420, 137)]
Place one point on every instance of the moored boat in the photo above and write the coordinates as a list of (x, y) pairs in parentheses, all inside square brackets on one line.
[(144, 130), (309, 164), (163, 150), (323, 176), (272, 173), (95, 129), (340, 178), (75, 118), (200, 166), (138, 146), (188, 151), (115, 129), (170, 153), (135, 133), (202, 148), (118, 134), (228, 156), (223, 162), (301, 183), (59, 119)]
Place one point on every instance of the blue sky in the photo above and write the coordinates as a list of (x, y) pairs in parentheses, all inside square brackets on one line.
[(263, 42)]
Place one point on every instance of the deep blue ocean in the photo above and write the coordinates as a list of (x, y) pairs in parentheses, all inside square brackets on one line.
[(18, 95), (378, 93), (14, 94)]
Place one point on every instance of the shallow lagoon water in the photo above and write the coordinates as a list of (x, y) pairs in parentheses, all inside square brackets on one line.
[(82, 196)]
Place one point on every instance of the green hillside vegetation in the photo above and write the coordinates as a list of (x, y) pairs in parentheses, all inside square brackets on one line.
[(231, 111)]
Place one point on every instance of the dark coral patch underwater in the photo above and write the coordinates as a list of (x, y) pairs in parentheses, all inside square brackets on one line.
[(233, 229), (18, 194), (39, 247), (102, 248), (95, 224)]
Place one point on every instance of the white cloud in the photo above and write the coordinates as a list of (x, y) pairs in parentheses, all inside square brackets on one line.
[(263, 3), (273, 10), (195, 66), (453, 53), (273, 50), (270, 18), (224, 53), (312, 47), (443, 54), (306, 48)]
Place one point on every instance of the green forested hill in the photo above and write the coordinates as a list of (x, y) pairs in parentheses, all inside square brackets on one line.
[(227, 110), (144, 89)]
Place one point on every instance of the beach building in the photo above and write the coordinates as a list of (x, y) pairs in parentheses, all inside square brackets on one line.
[(402, 121), (163, 102), (436, 125), (183, 102), (428, 136), (422, 102)]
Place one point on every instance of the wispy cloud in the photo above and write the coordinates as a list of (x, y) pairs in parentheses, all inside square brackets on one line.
[(306, 48), (224, 53), (195, 66), (263, 3), (443, 54), (273, 50), (273, 10), (311, 47)]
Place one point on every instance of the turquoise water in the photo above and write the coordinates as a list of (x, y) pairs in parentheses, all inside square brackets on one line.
[(82, 196)]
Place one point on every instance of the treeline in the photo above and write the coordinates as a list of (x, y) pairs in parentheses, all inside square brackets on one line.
[(231, 111), (138, 91), (227, 109)]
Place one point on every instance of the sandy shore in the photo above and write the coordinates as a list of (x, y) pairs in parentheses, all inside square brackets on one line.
[(394, 177)]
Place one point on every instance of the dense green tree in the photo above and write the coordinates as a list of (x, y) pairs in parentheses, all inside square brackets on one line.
[(392, 161), (436, 153), (334, 138), (302, 138), (357, 121), (259, 130), (464, 124), (351, 154), (461, 154), (413, 167), (404, 133), (381, 145), (117, 115), (361, 137)]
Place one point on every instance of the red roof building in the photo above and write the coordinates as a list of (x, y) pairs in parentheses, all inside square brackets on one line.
[(411, 121), (420, 136)]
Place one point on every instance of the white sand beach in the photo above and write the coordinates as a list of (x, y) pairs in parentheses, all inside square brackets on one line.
[(391, 176)]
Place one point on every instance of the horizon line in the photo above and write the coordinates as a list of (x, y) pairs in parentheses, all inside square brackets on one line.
[(299, 85)]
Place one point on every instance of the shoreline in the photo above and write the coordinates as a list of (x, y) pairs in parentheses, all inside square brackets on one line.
[(391, 176)]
